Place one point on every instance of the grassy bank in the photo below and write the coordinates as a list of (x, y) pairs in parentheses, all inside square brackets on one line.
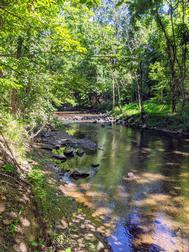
[(155, 116)]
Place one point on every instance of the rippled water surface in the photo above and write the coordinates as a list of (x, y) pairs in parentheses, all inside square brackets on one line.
[(149, 212)]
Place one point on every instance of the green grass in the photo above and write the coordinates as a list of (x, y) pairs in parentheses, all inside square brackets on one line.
[(156, 115), (149, 107)]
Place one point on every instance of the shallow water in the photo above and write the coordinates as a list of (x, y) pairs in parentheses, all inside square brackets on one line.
[(149, 212)]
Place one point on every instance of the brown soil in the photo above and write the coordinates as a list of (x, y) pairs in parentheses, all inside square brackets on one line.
[(19, 226)]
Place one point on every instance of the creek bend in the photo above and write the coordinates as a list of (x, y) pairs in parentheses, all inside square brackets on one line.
[(148, 213)]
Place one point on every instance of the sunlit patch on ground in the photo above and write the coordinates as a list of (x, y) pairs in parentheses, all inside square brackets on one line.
[(18, 223), (87, 199), (83, 234)]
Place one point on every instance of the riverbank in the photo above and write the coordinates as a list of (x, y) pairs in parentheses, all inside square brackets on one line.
[(71, 168), (70, 220), (36, 212), (159, 164), (156, 117), (159, 120)]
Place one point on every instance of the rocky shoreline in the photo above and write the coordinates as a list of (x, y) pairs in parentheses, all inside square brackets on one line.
[(107, 120), (59, 147), (129, 123)]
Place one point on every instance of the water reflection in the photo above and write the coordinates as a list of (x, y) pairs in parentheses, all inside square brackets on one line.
[(149, 213)]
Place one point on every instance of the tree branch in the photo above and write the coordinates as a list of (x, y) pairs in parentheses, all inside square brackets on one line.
[(10, 13)]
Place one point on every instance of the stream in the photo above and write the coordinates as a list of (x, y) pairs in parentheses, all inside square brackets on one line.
[(149, 212)]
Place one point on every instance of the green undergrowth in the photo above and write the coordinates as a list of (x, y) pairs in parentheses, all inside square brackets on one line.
[(155, 115), (48, 200), (54, 206)]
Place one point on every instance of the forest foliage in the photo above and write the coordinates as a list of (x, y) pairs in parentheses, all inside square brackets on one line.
[(130, 57), (92, 54)]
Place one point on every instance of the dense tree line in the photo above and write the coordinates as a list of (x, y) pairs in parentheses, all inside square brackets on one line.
[(93, 54)]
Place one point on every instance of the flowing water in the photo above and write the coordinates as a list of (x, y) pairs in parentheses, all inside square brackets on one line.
[(148, 212)]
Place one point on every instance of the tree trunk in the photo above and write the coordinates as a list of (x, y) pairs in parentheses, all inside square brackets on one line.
[(183, 64), (119, 95), (14, 100), (113, 90), (140, 91), (172, 56), (173, 63)]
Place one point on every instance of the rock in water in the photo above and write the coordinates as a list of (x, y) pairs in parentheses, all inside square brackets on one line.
[(59, 157), (93, 171), (57, 146), (47, 146), (130, 175), (80, 153), (69, 153), (95, 165), (79, 175)]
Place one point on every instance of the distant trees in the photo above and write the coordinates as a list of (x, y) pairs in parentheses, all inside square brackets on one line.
[(146, 53), (170, 41)]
